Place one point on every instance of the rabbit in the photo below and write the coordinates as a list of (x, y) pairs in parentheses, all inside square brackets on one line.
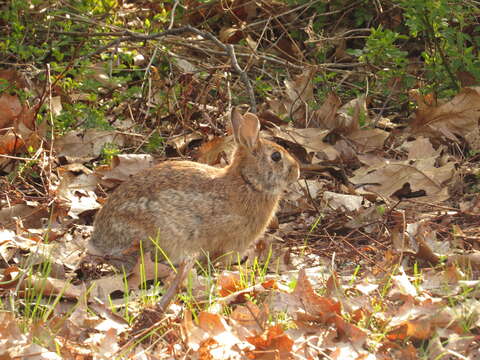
[(190, 209)]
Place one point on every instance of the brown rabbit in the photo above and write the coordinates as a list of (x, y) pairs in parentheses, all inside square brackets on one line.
[(191, 209)]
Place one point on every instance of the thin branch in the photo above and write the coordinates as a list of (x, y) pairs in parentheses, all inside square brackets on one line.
[(229, 50)]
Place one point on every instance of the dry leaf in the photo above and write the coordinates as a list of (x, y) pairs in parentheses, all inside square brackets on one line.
[(181, 142), (298, 92), (420, 176), (228, 282), (86, 145), (124, 166), (325, 116), (209, 153), (368, 139), (78, 190), (350, 115), (10, 109), (273, 343), (342, 201), (459, 116)]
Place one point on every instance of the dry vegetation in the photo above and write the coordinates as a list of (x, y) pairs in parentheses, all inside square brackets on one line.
[(375, 251)]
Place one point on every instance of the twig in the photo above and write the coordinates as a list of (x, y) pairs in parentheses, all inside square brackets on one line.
[(162, 305), (172, 13), (17, 158), (131, 36), (167, 298)]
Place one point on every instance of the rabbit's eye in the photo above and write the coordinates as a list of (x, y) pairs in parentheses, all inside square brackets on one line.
[(276, 156)]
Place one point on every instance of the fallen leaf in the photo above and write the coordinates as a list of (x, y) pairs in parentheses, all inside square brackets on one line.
[(181, 142), (31, 214), (228, 282), (249, 318), (421, 176), (209, 153), (86, 145), (104, 344), (469, 261), (343, 202), (351, 115), (273, 343), (459, 117), (325, 116), (10, 143), (51, 286), (124, 166), (312, 303), (10, 109), (420, 148), (298, 92), (367, 140), (77, 190)]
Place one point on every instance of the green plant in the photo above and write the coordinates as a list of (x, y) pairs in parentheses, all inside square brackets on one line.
[(109, 150), (354, 275), (383, 51), (417, 274), (449, 46), (263, 88), (155, 144)]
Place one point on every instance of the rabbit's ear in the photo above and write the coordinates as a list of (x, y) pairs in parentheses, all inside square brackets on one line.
[(246, 129)]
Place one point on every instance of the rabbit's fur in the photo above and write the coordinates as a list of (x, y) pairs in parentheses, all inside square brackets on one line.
[(192, 209)]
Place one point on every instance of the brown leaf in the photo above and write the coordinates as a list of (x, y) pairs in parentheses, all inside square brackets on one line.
[(343, 202), (288, 49), (10, 143), (104, 344), (368, 139), (250, 317), (420, 319), (350, 332), (213, 336), (10, 109), (31, 214), (51, 286), (420, 148), (123, 166), (351, 115), (229, 35), (13, 77), (314, 304), (466, 78), (228, 283), (77, 190), (211, 323), (299, 91), (9, 279), (10, 334), (210, 152), (459, 116), (421, 176), (312, 139), (469, 261), (273, 343), (325, 116), (88, 144), (181, 142)]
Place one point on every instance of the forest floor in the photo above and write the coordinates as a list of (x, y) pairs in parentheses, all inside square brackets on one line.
[(374, 252)]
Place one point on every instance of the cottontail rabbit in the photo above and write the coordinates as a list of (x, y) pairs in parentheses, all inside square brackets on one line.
[(191, 209)]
